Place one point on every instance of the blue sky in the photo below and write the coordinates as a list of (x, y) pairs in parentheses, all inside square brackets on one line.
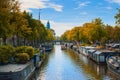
[(65, 14)]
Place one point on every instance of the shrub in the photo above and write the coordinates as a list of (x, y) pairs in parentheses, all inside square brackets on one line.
[(22, 58), (37, 51), (30, 51), (6, 52), (20, 49), (42, 56), (3, 59), (25, 49), (20, 54)]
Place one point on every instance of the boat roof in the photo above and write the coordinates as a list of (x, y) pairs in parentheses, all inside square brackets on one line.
[(91, 50), (98, 52), (89, 47), (12, 67), (105, 50)]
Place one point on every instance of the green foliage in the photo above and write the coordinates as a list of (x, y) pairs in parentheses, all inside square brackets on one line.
[(22, 57), (43, 55), (6, 52), (25, 49), (109, 32), (37, 51), (20, 49), (20, 54), (116, 34), (117, 17), (13, 22), (30, 51), (7, 7), (49, 36)]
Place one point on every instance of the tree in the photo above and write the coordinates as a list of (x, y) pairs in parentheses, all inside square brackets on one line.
[(50, 35), (117, 17), (7, 10), (109, 32), (75, 34), (87, 32), (66, 36), (98, 30), (116, 34), (117, 28), (5, 30)]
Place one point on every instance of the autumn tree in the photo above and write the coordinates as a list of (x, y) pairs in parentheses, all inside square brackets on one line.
[(65, 36), (86, 30), (5, 14), (50, 35), (109, 32), (98, 30), (117, 28), (116, 34)]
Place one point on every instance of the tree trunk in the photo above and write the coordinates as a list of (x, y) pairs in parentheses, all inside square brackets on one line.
[(4, 40), (13, 41)]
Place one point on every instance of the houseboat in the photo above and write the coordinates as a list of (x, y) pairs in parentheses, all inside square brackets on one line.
[(46, 48), (81, 49), (84, 50), (20, 71), (113, 63), (90, 53), (38, 59), (99, 56), (17, 71)]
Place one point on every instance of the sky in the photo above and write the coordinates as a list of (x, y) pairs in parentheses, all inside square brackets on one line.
[(66, 14)]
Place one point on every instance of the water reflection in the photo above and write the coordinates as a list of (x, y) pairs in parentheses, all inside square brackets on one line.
[(90, 69), (67, 65)]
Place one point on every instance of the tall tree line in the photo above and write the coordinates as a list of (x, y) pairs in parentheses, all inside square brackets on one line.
[(95, 32), (20, 28)]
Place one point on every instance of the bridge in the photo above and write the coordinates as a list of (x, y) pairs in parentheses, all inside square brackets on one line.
[(58, 42)]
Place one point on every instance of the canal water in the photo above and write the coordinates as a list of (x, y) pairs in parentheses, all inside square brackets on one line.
[(67, 65)]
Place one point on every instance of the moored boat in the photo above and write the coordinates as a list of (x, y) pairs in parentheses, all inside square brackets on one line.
[(113, 63), (84, 50), (17, 71), (47, 48), (63, 47)]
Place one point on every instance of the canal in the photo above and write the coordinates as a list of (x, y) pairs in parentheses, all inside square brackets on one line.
[(67, 65)]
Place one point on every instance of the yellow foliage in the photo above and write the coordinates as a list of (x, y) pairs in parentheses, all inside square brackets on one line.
[(100, 47)]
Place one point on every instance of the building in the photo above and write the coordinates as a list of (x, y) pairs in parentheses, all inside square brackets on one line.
[(48, 27)]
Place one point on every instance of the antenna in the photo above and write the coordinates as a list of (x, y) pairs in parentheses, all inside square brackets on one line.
[(39, 14)]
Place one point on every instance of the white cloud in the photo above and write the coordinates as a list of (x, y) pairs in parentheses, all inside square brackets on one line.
[(36, 4), (84, 4), (114, 1), (59, 27), (55, 6)]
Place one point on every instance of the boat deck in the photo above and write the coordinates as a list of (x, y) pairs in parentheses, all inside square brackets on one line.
[(13, 67)]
